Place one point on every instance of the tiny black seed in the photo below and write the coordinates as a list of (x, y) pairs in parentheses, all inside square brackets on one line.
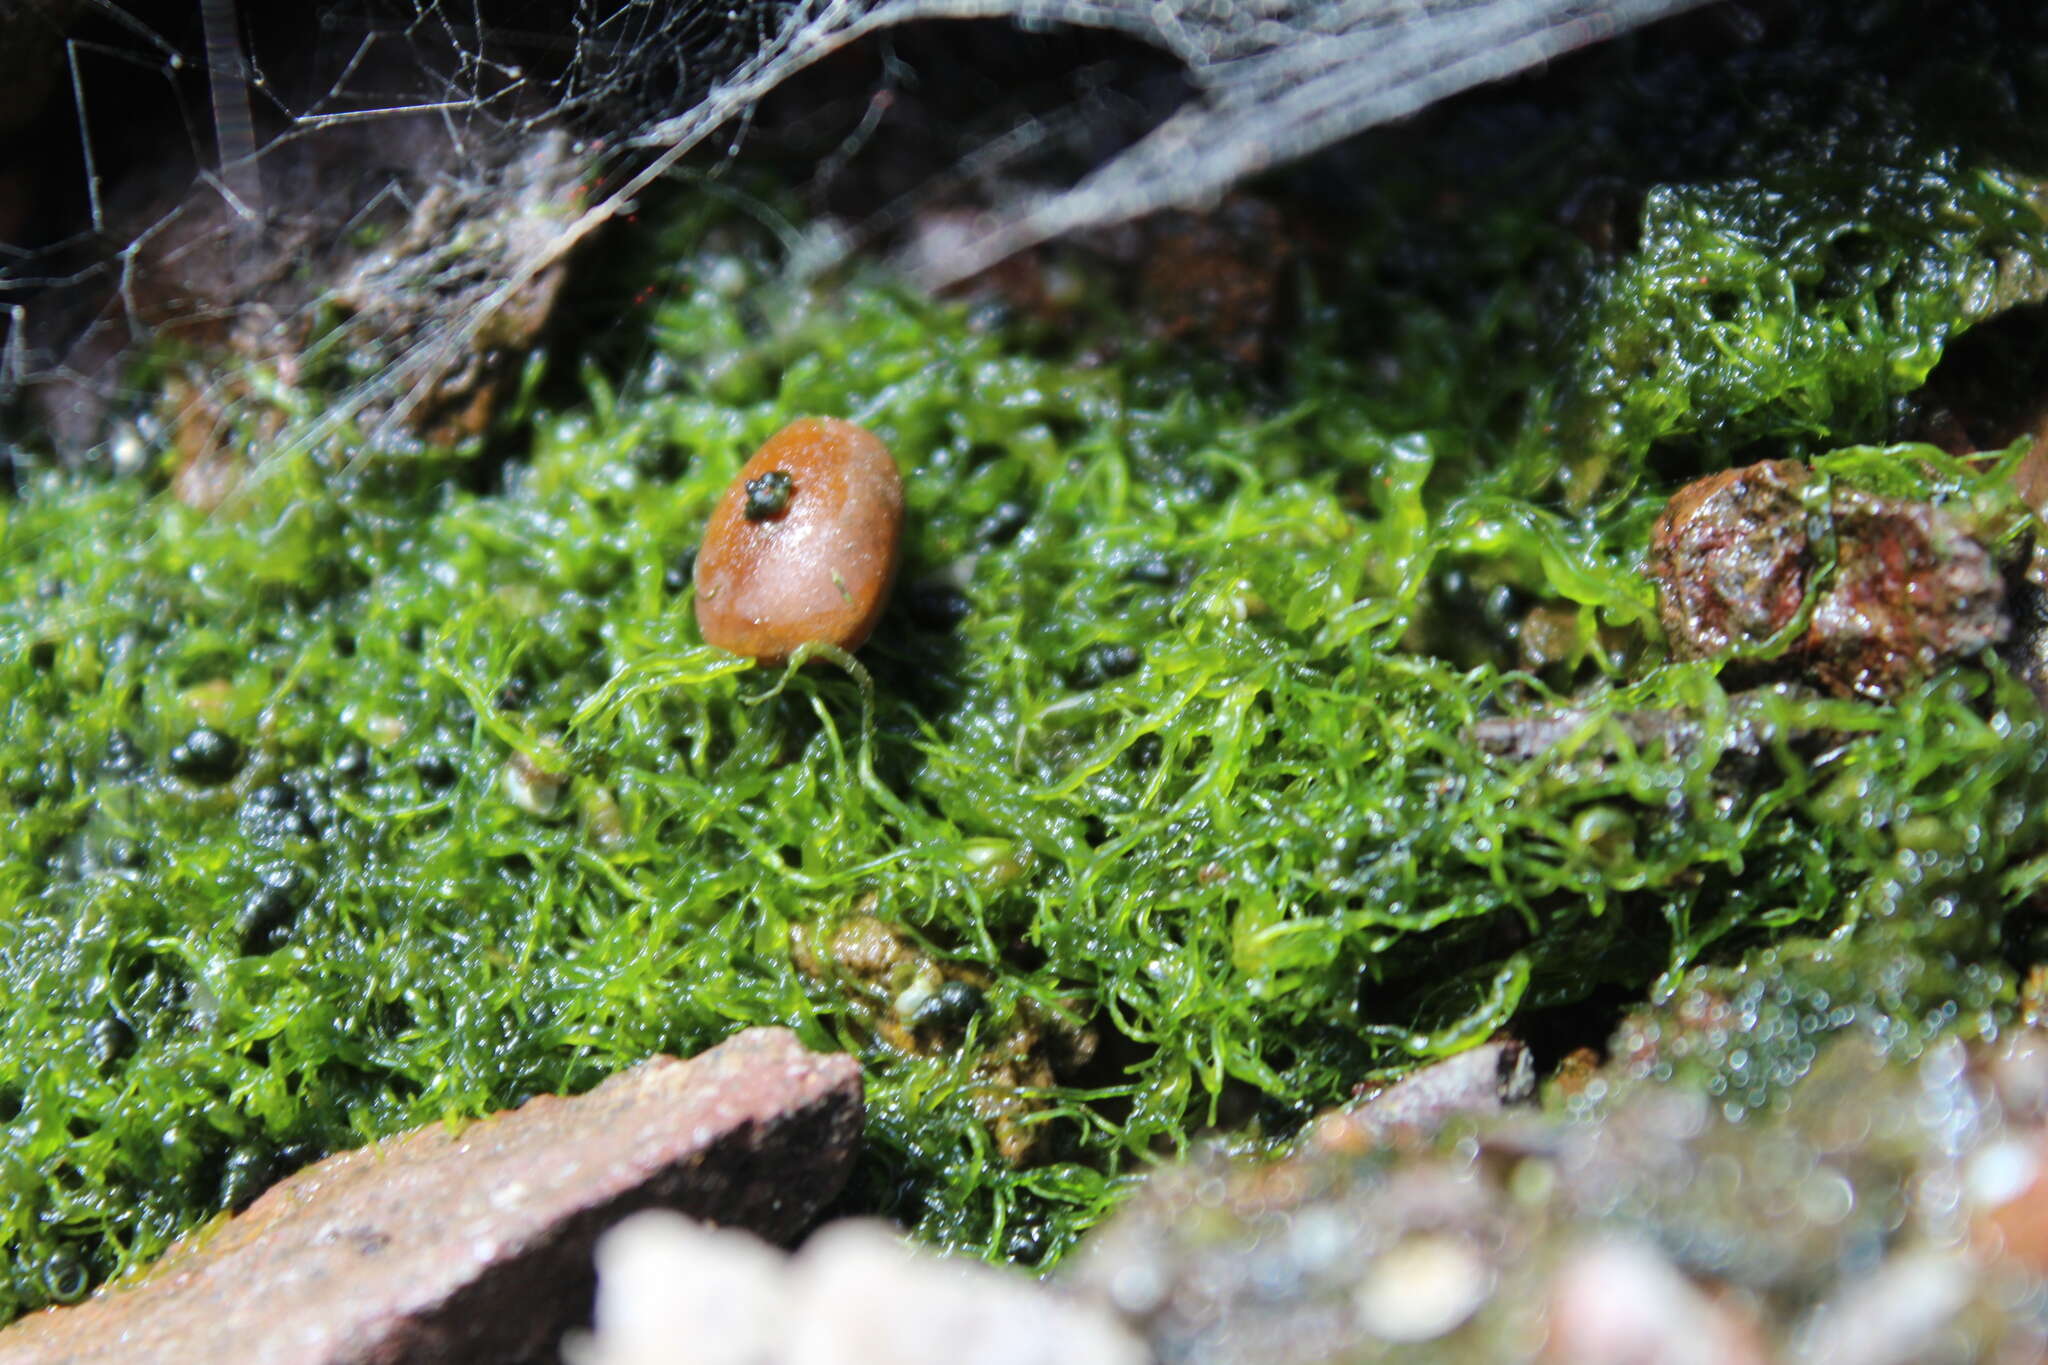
[(516, 694), (1100, 663), (107, 1041), (768, 495), (1027, 1239), (274, 796), (1001, 526), (206, 756), (909, 1200), (352, 764), (266, 920), (246, 1174), (937, 606), (950, 1006), (124, 756), (42, 656), (345, 646), (274, 811), (681, 573)]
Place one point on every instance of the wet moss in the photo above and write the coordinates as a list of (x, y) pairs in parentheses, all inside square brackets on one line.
[(1169, 739)]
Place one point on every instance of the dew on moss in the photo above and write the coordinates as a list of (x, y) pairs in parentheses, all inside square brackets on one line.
[(1258, 850)]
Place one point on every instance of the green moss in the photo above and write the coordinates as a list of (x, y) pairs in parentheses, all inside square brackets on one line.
[(1193, 770), (1798, 305)]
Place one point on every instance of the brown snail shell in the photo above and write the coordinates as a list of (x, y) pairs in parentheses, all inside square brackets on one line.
[(802, 548)]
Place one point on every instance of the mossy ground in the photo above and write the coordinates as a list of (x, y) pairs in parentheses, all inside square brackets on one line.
[(1184, 762)]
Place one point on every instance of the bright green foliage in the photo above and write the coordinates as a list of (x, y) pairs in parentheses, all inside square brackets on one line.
[(1800, 304), (1192, 770)]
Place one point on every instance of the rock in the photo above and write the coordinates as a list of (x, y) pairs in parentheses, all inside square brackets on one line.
[(1621, 1303), (1215, 278), (447, 1245), (1735, 555), (672, 1292), (1899, 1315), (2006, 1185), (1481, 1081), (662, 1279), (864, 1297), (1912, 590), (802, 548), (1884, 1208), (1320, 1257), (1731, 556), (1422, 1288)]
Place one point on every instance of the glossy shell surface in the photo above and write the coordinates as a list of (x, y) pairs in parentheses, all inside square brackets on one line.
[(819, 570)]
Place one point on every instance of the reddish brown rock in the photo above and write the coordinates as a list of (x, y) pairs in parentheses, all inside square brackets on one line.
[(1731, 557), (1215, 278), (1911, 591), (475, 1244), (802, 548), (1735, 555)]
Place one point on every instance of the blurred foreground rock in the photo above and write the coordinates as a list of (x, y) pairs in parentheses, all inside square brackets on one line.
[(1892, 1209), (1484, 1080), (475, 1244), (1888, 1211), (672, 1292)]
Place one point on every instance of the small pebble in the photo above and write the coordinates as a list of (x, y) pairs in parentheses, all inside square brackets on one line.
[(1622, 1303), (803, 546)]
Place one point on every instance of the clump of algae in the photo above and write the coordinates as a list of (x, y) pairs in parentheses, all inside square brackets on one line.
[(395, 790)]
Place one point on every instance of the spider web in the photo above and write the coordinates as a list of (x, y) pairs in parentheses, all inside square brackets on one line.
[(428, 166)]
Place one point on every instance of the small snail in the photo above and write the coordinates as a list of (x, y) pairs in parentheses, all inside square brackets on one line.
[(803, 545)]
